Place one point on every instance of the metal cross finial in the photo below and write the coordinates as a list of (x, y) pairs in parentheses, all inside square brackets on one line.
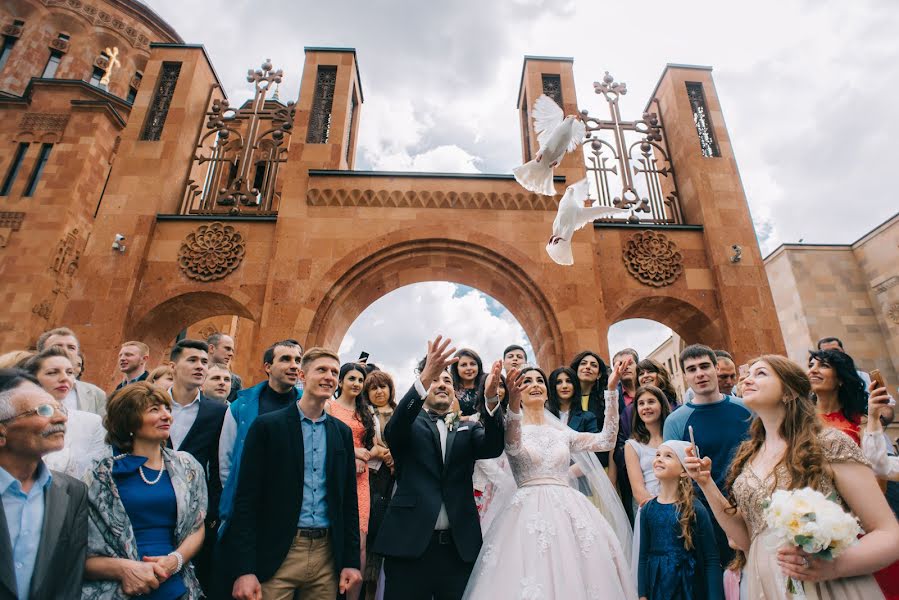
[(113, 62), (641, 167)]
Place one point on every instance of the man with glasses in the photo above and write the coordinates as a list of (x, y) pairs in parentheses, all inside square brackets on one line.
[(43, 524)]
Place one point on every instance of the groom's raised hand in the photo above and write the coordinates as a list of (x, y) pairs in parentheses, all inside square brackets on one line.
[(491, 385), (439, 358)]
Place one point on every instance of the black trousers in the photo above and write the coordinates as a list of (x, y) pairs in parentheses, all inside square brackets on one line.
[(438, 574)]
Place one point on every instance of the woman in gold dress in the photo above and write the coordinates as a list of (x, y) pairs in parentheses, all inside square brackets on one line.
[(789, 449)]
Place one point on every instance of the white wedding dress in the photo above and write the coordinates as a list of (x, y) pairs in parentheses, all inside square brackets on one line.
[(549, 540)]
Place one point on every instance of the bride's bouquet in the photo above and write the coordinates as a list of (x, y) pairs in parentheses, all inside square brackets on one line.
[(808, 519)]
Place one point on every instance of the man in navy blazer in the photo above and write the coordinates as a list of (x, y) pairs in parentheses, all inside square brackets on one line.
[(196, 427), (431, 534), (295, 522)]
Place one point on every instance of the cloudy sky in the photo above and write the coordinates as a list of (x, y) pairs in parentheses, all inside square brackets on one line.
[(807, 89)]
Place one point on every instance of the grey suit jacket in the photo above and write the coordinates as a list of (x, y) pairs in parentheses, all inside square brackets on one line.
[(90, 398), (59, 566)]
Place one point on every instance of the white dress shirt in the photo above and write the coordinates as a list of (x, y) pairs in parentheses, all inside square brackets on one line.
[(183, 418)]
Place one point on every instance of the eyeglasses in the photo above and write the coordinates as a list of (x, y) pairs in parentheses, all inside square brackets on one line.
[(44, 410)]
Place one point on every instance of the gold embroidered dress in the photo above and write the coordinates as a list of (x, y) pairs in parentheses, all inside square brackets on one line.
[(765, 579)]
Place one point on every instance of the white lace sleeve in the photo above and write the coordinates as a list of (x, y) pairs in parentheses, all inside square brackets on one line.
[(605, 439), (874, 447), (513, 433)]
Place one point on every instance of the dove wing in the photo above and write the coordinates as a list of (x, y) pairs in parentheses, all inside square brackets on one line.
[(591, 213), (578, 132), (579, 215), (547, 116)]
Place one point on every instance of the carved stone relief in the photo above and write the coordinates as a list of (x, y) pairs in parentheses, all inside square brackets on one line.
[(9, 222), (102, 18), (893, 313), (425, 199), (211, 252), (652, 259), (55, 122)]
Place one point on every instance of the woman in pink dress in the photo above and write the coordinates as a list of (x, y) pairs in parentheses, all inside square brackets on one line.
[(350, 408)]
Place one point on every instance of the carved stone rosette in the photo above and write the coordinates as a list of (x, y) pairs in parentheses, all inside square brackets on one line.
[(893, 313), (652, 259), (211, 252)]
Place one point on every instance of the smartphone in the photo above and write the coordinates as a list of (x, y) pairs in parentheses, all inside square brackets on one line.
[(877, 378), (693, 441), (363, 357), (744, 370)]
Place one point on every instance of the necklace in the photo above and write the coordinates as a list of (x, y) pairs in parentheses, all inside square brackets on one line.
[(140, 470)]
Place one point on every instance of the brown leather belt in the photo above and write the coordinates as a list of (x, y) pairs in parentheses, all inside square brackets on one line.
[(312, 533)]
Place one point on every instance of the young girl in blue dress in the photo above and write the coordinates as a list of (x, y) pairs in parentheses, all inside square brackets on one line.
[(678, 554)]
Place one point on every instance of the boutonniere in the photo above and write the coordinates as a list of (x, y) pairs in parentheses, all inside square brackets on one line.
[(451, 419)]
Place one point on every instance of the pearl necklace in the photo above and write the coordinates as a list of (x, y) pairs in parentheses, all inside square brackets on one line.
[(140, 470)]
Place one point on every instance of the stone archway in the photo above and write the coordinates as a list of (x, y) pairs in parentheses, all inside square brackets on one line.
[(416, 261), (162, 323), (691, 323)]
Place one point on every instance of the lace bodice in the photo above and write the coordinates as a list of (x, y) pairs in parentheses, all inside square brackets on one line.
[(542, 453), (752, 493)]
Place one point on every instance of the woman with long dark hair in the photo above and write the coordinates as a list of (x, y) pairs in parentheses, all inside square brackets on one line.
[(788, 449), (563, 401), (593, 376), (380, 394), (651, 372), (468, 376), (350, 407), (838, 391)]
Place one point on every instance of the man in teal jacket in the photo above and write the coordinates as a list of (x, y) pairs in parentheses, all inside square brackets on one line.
[(281, 362)]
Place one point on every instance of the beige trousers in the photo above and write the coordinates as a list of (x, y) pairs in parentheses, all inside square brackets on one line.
[(308, 570)]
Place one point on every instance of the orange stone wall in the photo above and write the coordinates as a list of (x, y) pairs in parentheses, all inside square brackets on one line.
[(343, 239)]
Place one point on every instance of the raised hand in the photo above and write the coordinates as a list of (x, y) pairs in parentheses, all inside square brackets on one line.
[(878, 403), (491, 385), (515, 384), (699, 469), (615, 376), (439, 358)]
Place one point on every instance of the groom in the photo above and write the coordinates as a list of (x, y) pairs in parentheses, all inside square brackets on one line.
[(431, 534)]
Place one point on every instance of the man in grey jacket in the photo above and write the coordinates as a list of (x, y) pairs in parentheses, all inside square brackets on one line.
[(43, 524)]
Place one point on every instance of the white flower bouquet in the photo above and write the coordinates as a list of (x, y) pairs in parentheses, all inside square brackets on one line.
[(810, 520)]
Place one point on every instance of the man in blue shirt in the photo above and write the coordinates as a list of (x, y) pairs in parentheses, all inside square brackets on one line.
[(36, 561), (720, 422), (295, 523)]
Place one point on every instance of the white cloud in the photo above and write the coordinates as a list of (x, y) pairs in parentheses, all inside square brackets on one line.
[(396, 328), (643, 335)]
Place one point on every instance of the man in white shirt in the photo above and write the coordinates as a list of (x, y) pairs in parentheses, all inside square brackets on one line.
[(196, 427), (218, 382), (83, 395)]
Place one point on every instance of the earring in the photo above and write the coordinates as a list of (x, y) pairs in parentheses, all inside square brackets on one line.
[(131, 434)]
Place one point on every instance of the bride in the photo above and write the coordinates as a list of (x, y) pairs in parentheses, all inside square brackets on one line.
[(550, 540)]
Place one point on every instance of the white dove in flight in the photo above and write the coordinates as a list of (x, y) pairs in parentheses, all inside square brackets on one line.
[(573, 215), (556, 135)]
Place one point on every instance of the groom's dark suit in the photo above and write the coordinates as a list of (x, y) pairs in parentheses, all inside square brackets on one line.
[(421, 562)]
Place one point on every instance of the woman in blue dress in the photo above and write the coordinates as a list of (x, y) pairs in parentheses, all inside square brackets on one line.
[(146, 505), (678, 554)]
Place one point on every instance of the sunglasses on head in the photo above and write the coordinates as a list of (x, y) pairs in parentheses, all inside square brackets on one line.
[(44, 410)]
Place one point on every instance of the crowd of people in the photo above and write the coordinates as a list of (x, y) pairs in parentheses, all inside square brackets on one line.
[(484, 480)]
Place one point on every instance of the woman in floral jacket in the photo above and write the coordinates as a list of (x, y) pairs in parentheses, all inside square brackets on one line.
[(146, 505)]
